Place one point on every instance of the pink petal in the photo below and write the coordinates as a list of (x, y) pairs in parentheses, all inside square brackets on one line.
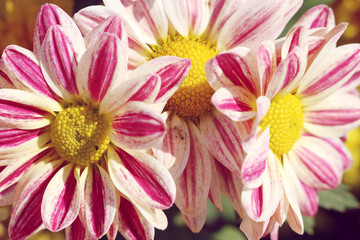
[(59, 61), (98, 207), (215, 187), (253, 229), (5, 81), (61, 200), (194, 183), (24, 71), (6, 196), (331, 74), (132, 225), (114, 25), (154, 216), (260, 20), (235, 102), (137, 126), (295, 39), (148, 92), (23, 110), (76, 231), (316, 163), (316, 17), (140, 177), (102, 67), (288, 74), (175, 148), (266, 58), (196, 223), (188, 17), (222, 140), (26, 213), (342, 150), (254, 164)]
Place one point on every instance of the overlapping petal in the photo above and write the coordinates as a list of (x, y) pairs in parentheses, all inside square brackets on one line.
[(316, 17)]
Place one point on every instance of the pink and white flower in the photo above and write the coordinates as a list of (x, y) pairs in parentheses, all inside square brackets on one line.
[(199, 30), (75, 124), (291, 101)]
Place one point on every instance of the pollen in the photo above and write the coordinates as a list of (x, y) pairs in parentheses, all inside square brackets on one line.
[(80, 135), (193, 98), (285, 119)]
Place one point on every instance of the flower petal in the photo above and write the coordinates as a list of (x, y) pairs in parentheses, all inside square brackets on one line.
[(24, 71), (140, 177), (341, 148), (50, 15), (23, 110), (137, 126), (59, 60), (175, 148), (260, 20), (316, 163), (101, 67), (76, 231), (196, 223), (5, 81), (154, 216), (194, 183), (222, 140), (215, 187), (316, 17), (253, 168), (188, 17), (61, 200), (132, 225), (235, 102), (266, 58), (330, 75), (295, 39), (334, 116), (26, 213), (98, 207)]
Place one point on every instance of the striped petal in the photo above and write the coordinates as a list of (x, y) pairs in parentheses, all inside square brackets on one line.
[(266, 58), (50, 15), (23, 110), (15, 143), (175, 148), (5, 81), (194, 183), (114, 25), (295, 39), (330, 75), (154, 216), (16, 169), (137, 126), (59, 61), (317, 17), (316, 163), (98, 207), (76, 231), (61, 201), (288, 74), (223, 141), (26, 213), (254, 166), (196, 223), (334, 116), (132, 225), (341, 148), (188, 17), (215, 187), (102, 67), (24, 71), (140, 177), (260, 20), (235, 102)]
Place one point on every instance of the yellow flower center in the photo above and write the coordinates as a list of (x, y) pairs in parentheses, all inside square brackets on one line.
[(285, 118), (80, 135), (193, 98)]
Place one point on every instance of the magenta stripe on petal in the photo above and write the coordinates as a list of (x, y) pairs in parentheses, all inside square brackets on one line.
[(75, 231), (130, 220), (137, 125), (27, 71), (333, 117), (236, 69), (257, 201), (171, 75), (14, 110), (322, 19), (102, 69), (145, 178), (319, 167), (310, 206), (145, 91), (15, 137), (234, 105)]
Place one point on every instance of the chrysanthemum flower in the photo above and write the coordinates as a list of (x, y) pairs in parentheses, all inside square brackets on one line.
[(292, 103), (199, 30), (74, 127)]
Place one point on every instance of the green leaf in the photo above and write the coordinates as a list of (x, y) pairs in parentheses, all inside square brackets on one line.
[(229, 232), (309, 223), (338, 199)]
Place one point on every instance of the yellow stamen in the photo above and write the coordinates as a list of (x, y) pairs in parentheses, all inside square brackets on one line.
[(80, 135), (285, 118), (193, 98)]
